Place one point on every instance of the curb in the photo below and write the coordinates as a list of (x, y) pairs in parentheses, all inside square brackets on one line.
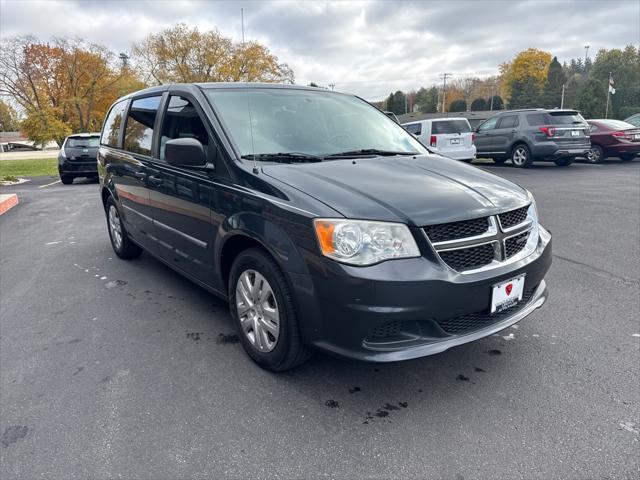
[(7, 201)]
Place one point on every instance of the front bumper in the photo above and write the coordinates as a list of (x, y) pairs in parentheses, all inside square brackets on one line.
[(402, 309)]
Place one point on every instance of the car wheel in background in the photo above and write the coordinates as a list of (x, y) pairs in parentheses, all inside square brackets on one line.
[(499, 161), (627, 157), (120, 242), (66, 179), (262, 307), (564, 161), (521, 156), (595, 154)]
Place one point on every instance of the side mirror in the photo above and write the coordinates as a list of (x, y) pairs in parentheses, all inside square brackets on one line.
[(184, 152)]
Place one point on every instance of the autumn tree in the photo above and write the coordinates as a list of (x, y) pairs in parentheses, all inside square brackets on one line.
[(185, 54), (9, 121), (530, 63), (43, 126)]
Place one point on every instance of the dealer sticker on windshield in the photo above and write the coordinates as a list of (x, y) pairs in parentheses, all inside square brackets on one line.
[(507, 294)]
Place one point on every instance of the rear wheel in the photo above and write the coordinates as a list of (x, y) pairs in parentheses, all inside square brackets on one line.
[(262, 306), (521, 156), (627, 157), (595, 154), (120, 242), (564, 161), (66, 179)]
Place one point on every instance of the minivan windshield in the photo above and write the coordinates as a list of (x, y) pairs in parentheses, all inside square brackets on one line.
[(83, 142), (265, 121)]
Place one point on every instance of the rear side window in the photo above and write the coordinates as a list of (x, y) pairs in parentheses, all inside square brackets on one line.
[(415, 128), (139, 129), (508, 121), (450, 126), (111, 128), (181, 120), (82, 142), (537, 119)]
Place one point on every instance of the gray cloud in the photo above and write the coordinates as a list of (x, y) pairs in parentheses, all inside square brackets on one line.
[(366, 48)]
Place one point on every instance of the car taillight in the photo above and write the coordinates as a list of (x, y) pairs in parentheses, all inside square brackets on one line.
[(548, 131), (619, 134), (434, 140)]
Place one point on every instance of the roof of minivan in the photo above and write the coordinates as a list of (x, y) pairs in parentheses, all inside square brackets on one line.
[(222, 85)]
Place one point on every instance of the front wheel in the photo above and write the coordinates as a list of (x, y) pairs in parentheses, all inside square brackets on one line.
[(120, 242), (262, 306), (595, 154), (521, 156), (563, 161)]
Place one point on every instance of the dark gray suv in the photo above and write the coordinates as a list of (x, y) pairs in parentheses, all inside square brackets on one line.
[(525, 136)]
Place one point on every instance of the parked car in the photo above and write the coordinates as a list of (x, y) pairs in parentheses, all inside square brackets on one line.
[(449, 137), (323, 222), (613, 138), (392, 116), (77, 157), (634, 120), (525, 136)]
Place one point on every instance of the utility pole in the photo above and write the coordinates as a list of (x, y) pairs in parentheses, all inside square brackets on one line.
[(562, 99), (606, 110), (242, 21), (444, 88), (586, 53)]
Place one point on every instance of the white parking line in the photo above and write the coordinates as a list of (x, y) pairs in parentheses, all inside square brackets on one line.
[(49, 184)]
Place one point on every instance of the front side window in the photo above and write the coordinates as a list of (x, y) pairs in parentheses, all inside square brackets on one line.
[(509, 121), (181, 120), (111, 128), (273, 120), (489, 124), (138, 132)]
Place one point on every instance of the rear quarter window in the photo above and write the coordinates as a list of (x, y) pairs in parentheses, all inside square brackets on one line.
[(537, 119), (415, 128), (111, 127), (450, 126)]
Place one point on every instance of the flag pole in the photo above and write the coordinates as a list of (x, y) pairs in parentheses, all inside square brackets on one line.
[(606, 110)]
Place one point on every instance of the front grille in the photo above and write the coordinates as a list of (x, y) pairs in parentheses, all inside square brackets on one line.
[(456, 230), (476, 321), (513, 218), (388, 329), (468, 258), (515, 244)]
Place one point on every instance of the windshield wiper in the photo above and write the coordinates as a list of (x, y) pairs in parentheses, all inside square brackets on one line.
[(369, 152), (287, 157)]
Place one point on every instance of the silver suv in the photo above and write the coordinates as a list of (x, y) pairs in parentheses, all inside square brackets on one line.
[(525, 136)]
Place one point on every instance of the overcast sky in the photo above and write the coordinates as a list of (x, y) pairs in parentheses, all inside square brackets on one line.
[(367, 48)]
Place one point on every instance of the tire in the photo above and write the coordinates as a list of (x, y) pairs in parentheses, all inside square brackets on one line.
[(499, 161), (120, 241), (521, 156), (66, 179), (627, 157), (272, 340), (564, 161), (595, 154)]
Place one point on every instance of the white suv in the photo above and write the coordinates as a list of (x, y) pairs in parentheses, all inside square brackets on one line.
[(449, 137)]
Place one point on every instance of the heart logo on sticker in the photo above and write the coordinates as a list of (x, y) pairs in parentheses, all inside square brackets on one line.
[(508, 288)]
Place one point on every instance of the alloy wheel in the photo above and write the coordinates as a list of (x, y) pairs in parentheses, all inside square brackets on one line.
[(519, 156), (257, 310), (115, 227), (594, 155)]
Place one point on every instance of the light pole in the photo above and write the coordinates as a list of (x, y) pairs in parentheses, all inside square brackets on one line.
[(444, 88), (586, 54)]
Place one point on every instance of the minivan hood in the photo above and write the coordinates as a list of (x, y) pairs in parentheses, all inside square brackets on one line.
[(419, 190)]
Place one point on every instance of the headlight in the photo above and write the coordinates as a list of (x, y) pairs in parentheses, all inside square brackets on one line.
[(359, 242)]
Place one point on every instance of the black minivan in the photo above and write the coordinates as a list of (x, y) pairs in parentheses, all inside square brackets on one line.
[(321, 220)]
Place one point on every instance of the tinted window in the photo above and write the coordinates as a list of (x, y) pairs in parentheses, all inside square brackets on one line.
[(415, 128), (82, 142), (450, 126), (489, 124), (509, 121), (139, 129), (536, 119), (181, 120), (111, 128), (566, 118)]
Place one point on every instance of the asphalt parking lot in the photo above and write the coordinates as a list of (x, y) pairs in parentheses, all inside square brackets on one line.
[(125, 369)]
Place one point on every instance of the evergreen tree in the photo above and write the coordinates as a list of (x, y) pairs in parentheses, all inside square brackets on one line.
[(498, 103), (479, 104), (458, 106), (552, 91), (592, 98), (427, 100), (525, 95)]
